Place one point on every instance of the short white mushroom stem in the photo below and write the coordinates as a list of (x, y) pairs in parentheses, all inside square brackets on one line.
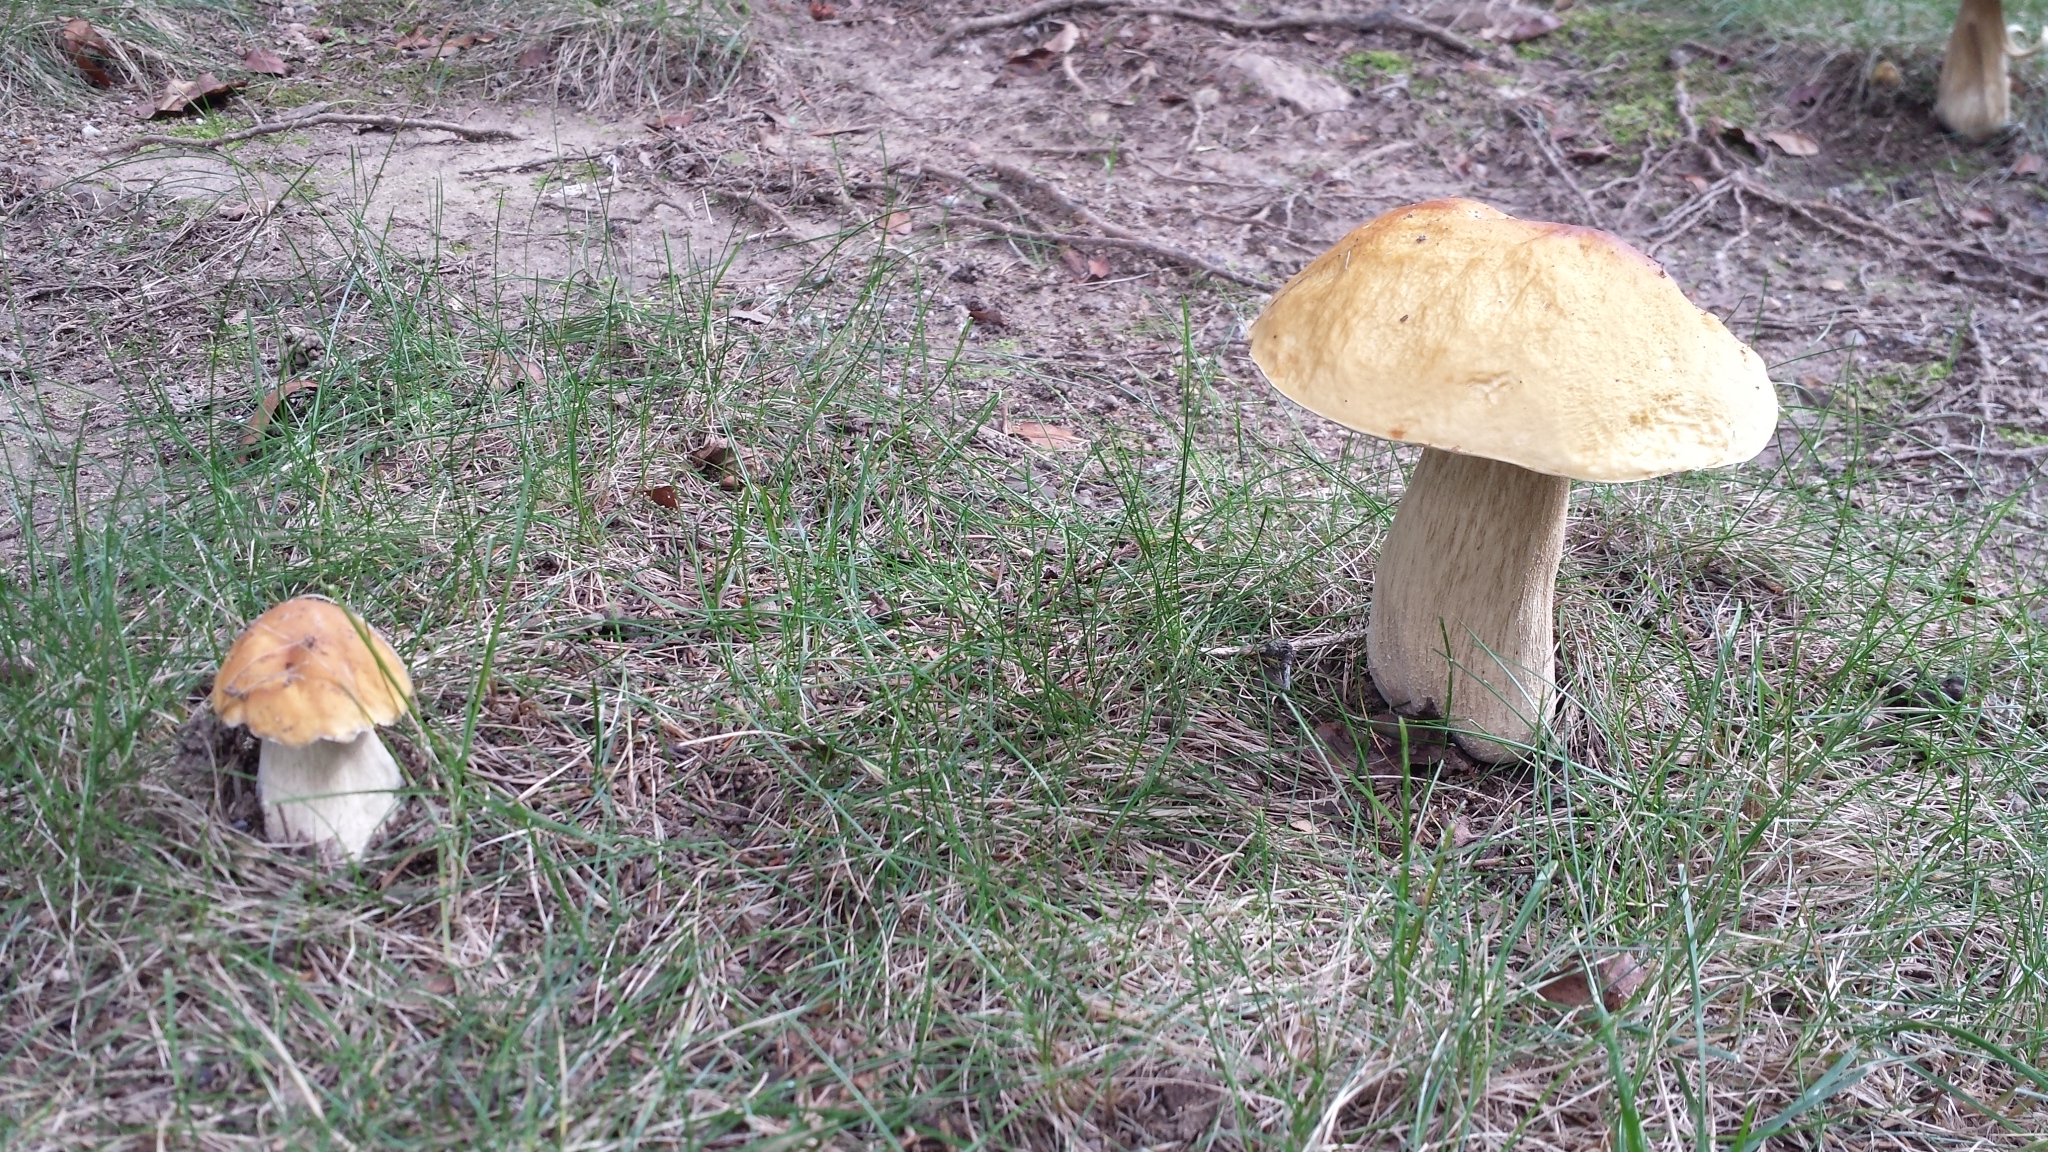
[(1974, 96), (1461, 609), (328, 791)]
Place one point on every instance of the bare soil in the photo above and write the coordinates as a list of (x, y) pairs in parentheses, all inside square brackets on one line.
[(1910, 256)]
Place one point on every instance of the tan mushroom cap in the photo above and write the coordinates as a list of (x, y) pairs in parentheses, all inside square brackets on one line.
[(1551, 346), (301, 672)]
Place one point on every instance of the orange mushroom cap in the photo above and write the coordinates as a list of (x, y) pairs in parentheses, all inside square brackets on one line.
[(309, 669)]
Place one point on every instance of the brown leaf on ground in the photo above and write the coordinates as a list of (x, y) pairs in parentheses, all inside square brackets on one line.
[(87, 50), (1040, 58), (1620, 975), (718, 460), (1076, 264), (1794, 143), (264, 62), (267, 408), (417, 39), (665, 495), (535, 56), (181, 96), (1334, 737), (1978, 216), (897, 224), (512, 370), (1053, 437)]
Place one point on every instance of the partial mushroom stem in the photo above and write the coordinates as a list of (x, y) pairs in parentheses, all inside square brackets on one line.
[(1461, 616), (1974, 96), (329, 792)]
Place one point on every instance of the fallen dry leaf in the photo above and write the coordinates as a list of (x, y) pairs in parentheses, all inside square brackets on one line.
[(1794, 143), (896, 224), (665, 495), (1054, 437), (717, 459), (512, 370), (264, 62), (180, 96), (87, 50), (1075, 262), (1620, 975), (1978, 216), (1312, 92), (2029, 164), (1063, 41), (1039, 58), (534, 56), (267, 408)]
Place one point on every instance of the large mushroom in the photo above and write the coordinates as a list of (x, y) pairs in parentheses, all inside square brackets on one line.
[(1974, 97), (313, 683), (1523, 356)]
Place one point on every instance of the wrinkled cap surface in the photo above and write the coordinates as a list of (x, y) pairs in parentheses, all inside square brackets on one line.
[(1551, 346), (301, 672)]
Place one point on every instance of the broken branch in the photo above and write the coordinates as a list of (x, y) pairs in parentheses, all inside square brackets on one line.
[(1374, 21), (360, 119), (1186, 259)]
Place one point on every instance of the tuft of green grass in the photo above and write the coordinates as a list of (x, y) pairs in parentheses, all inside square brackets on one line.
[(1367, 66), (885, 792), (144, 39)]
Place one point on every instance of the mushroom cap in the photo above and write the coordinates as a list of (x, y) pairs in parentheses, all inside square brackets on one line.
[(1551, 346), (301, 672)]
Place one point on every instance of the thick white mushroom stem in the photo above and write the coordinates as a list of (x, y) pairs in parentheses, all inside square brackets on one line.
[(1461, 608), (1974, 96), (330, 793)]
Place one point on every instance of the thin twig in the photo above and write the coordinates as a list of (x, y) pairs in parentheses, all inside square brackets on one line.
[(1374, 21), (524, 165), (361, 119), (1278, 645), (1187, 259), (1868, 232), (1113, 236), (1533, 121)]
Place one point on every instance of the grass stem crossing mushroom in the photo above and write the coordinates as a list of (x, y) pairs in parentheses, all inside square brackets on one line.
[(313, 683), (1521, 355)]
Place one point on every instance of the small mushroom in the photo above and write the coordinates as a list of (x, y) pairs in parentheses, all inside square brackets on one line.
[(1974, 97), (1522, 355), (313, 683)]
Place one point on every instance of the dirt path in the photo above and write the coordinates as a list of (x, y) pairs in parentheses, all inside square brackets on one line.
[(1172, 162)]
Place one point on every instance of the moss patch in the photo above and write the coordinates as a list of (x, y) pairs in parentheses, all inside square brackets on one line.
[(1624, 66)]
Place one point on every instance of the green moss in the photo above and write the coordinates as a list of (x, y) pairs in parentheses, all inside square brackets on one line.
[(1624, 57), (1371, 66)]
